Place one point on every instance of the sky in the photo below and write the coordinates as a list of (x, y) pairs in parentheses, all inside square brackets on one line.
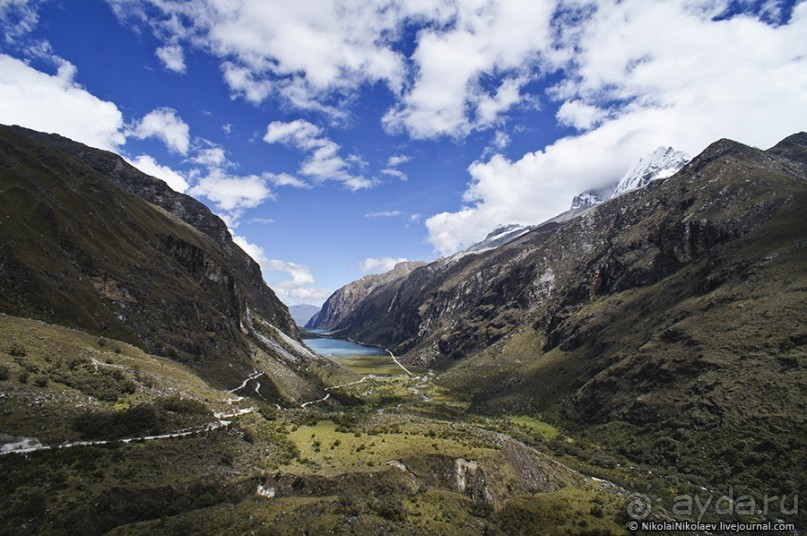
[(338, 137)]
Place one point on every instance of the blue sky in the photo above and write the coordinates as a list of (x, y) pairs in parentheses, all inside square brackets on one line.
[(336, 138)]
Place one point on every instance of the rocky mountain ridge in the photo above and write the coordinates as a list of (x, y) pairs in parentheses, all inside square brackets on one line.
[(341, 304)]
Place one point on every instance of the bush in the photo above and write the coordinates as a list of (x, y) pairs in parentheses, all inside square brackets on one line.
[(4, 373), (133, 422), (17, 350)]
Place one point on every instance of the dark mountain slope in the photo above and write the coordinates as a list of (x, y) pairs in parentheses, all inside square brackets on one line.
[(79, 250), (186, 208)]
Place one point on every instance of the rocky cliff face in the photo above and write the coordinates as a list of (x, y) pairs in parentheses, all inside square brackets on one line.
[(90, 242), (342, 303)]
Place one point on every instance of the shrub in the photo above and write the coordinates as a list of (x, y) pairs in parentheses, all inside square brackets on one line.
[(136, 421), (17, 350), (4, 373)]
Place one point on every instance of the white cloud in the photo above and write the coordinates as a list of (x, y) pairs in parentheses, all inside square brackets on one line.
[(579, 115), (635, 85), (284, 179), (471, 61), (172, 58), (149, 166), (397, 173), (380, 265), (211, 156), (301, 50), (397, 160), (392, 163), (297, 283), (232, 193), (299, 133), (471, 72), (56, 103), (323, 161), (18, 18), (384, 214), (165, 125)]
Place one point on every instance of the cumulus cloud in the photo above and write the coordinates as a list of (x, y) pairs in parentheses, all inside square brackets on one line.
[(323, 161), (473, 71), (634, 85), (149, 166), (172, 58), (579, 115), (296, 283), (57, 103), (470, 66), (212, 156), (232, 193), (165, 125), (299, 50), (379, 265)]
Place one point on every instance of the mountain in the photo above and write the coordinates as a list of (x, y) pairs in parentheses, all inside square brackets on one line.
[(90, 242), (594, 196), (659, 164), (672, 314), (303, 313), (343, 302)]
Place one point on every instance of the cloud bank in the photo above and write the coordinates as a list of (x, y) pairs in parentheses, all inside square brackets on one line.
[(56, 103)]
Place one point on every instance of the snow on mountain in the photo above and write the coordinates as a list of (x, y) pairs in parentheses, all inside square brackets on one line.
[(659, 164), (497, 237)]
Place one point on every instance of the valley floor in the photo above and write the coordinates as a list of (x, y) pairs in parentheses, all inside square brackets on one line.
[(155, 450)]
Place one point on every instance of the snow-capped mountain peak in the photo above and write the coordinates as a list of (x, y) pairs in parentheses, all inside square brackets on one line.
[(659, 164)]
